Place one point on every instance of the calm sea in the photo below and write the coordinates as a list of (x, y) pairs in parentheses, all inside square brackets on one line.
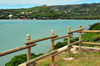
[(13, 33)]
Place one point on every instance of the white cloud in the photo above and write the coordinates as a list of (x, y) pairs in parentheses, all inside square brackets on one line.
[(37, 2)]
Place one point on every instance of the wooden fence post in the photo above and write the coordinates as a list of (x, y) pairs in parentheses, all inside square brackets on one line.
[(52, 42), (68, 42), (28, 49), (80, 37)]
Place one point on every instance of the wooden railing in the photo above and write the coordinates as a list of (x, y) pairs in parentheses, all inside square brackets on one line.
[(30, 43)]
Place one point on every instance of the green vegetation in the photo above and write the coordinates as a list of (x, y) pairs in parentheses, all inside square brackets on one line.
[(64, 42), (18, 59), (38, 12), (87, 37), (81, 59), (92, 37), (78, 11), (95, 26)]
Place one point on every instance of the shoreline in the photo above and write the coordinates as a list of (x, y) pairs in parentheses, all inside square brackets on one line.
[(50, 19)]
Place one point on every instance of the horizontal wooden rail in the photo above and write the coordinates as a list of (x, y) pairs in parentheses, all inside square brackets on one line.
[(53, 53), (38, 58), (62, 37), (89, 43), (89, 31), (30, 43), (15, 49), (64, 49), (40, 39), (75, 30), (84, 48), (45, 55), (76, 42)]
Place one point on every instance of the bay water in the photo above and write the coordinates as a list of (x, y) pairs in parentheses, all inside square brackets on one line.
[(13, 33)]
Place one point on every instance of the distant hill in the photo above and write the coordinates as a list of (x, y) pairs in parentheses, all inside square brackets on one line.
[(78, 11), (39, 12), (75, 11)]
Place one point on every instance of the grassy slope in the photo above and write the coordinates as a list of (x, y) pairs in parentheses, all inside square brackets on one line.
[(82, 59)]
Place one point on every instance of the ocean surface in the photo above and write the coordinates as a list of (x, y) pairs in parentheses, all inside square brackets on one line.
[(13, 33)]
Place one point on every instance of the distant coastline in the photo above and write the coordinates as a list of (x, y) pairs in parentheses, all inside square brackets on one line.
[(50, 19), (58, 12)]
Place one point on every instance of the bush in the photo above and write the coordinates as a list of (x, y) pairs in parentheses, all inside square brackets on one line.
[(88, 37), (95, 26), (64, 42), (18, 59), (92, 37)]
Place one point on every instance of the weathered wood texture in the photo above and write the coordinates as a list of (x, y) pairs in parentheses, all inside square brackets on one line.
[(60, 50), (28, 49), (75, 30), (94, 49), (89, 31), (62, 37), (40, 39), (15, 49), (45, 55), (28, 53), (80, 37), (76, 42), (32, 64), (90, 43), (69, 37), (65, 48), (52, 47), (38, 58)]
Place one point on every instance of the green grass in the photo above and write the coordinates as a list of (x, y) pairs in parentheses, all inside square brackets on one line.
[(80, 59)]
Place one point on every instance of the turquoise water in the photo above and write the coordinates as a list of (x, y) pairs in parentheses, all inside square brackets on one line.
[(13, 33)]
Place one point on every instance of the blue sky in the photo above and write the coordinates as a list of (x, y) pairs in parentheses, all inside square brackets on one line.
[(14, 4)]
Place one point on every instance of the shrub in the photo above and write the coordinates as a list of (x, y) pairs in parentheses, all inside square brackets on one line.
[(95, 26), (18, 59)]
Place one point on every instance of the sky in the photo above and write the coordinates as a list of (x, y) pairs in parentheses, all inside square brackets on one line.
[(16, 4)]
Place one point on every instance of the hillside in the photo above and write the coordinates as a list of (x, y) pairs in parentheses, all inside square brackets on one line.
[(92, 37), (38, 12), (80, 59), (78, 11), (75, 11)]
